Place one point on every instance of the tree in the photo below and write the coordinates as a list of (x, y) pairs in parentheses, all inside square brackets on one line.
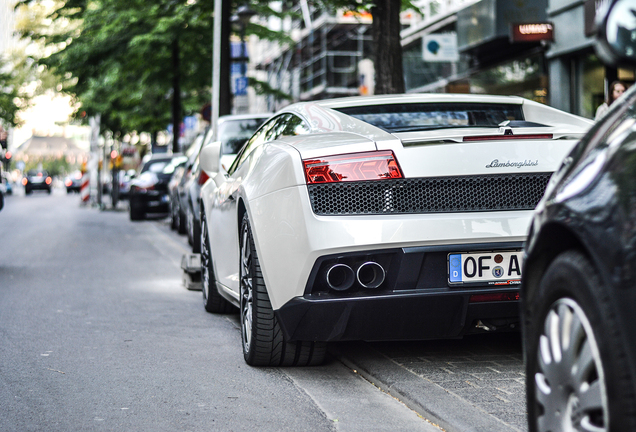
[(130, 61), (8, 96), (385, 32)]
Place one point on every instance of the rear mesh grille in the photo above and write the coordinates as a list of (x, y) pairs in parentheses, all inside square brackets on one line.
[(430, 194)]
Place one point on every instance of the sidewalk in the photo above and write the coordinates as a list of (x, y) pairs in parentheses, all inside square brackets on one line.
[(461, 392)]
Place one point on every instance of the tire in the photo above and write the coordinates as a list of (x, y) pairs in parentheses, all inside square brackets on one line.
[(196, 236), (261, 336), (28, 191), (570, 326), (173, 217), (213, 302), (136, 212)]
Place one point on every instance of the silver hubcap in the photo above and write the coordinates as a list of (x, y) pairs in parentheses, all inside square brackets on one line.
[(569, 382), (246, 290)]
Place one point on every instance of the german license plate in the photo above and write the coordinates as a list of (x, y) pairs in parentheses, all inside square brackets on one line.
[(491, 268)]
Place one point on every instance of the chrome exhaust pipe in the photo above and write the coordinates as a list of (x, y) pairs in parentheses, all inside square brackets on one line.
[(340, 277), (370, 274)]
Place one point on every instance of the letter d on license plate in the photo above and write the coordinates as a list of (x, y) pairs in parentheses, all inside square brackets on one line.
[(491, 268)]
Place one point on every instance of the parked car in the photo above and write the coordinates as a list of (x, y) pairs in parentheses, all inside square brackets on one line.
[(125, 179), (377, 218), (37, 180), (73, 182), (149, 190), (579, 286), (177, 187), (233, 131), (6, 183)]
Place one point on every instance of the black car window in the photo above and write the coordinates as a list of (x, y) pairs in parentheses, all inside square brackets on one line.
[(430, 116)]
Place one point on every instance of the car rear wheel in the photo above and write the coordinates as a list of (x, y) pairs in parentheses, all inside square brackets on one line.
[(262, 337), (136, 212), (212, 301), (577, 371)]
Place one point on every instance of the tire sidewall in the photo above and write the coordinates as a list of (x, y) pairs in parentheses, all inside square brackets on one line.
[(248, 351), (572, 276)]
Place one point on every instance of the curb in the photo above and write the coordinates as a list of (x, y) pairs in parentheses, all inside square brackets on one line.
[(426, 398)]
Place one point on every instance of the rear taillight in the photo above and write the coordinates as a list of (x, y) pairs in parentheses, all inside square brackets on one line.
[(507, 137), (24, 181), (492, 297), (203, 177), (375, 165), (48, 180), (68, 183)]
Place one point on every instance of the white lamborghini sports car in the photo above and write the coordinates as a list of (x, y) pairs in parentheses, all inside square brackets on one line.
[(377, 218)]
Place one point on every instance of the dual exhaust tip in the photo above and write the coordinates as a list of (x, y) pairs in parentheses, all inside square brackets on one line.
[(341, 277)]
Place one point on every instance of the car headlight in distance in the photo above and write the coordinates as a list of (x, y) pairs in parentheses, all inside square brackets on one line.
[(376, 165)]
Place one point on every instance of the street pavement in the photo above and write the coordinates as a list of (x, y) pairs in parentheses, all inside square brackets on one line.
[(98, 333)]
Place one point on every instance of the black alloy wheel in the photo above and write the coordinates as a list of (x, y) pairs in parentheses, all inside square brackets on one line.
[(212, 301), (577, 371), (262, 338)]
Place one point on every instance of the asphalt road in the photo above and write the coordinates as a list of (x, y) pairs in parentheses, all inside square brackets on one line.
[(97, 332)]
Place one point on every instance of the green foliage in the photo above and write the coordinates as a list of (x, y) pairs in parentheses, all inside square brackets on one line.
[(54, 166), (114, 57)]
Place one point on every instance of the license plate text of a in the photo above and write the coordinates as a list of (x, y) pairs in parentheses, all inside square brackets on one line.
[(492, 268)]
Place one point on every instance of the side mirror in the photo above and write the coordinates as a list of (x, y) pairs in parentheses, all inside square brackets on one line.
[(210, 158), (616, 39)]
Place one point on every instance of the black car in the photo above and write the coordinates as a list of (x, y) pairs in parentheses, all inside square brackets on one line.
[(579, 288), (73, 182), (37, 180), (182, 177), (149, 190)]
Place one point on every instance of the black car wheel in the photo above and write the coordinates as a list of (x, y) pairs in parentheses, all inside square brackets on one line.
[(261, 335), (212, 300), (577, 371), (136, 212)]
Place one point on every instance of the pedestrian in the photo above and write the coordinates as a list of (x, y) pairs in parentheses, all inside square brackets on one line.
[(616, 90)]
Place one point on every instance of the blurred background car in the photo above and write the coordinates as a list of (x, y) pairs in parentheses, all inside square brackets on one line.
[(149, 190), (6, 185), (37, 180), (233, 131), (579, 287), (181, 177), (125, 179), (73, 182)]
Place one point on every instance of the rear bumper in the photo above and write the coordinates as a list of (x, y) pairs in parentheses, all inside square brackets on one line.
[(413, 316), (151, 202), (415, 301)]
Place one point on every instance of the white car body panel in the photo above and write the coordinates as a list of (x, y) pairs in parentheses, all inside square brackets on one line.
[(289, 237)]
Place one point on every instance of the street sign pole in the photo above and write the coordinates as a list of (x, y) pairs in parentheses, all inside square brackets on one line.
[(216, 65)]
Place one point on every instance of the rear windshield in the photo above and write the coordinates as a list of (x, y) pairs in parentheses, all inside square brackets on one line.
[(412, 117), (155, 166), (234, 133)]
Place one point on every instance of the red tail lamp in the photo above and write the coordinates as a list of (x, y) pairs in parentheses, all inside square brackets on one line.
[(203, 177), (493, 297), (48, 180), (377, 165)]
